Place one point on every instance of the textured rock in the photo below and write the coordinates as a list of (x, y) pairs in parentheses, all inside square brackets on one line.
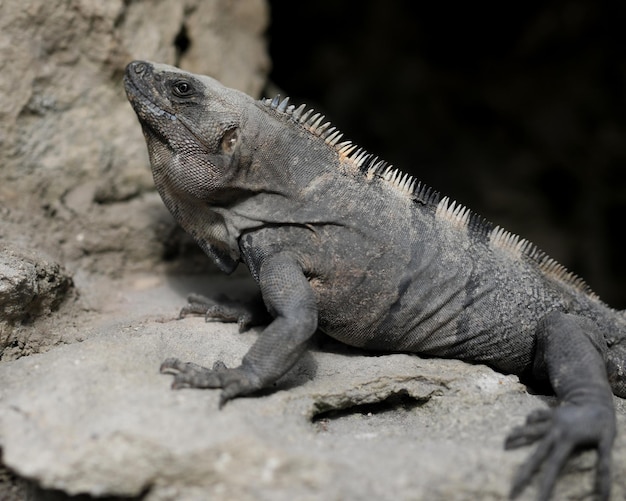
[(97, 418), (31, 285)]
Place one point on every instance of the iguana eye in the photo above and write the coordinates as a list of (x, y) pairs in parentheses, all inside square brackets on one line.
[(229, 140), (182, 88)]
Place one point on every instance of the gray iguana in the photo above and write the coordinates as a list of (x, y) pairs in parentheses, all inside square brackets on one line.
[(339, 240)]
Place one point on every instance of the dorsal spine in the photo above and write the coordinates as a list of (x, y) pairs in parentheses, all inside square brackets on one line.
[(371, 167)]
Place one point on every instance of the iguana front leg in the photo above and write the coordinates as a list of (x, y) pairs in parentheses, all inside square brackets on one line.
[(570, 350), (290, 300)]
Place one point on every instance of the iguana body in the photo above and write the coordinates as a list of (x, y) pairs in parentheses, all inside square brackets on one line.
[(339, 240)]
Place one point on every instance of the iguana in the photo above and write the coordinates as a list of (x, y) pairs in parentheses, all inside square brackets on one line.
[(339, 240)]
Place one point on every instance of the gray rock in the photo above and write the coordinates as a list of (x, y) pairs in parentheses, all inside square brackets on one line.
[(31, 285), (97, 418)]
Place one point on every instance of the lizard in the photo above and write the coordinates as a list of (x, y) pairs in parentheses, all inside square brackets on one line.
[(341, 241)]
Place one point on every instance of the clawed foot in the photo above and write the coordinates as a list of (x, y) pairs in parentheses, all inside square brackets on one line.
[(233, 382), (224, 309), (559, 432)]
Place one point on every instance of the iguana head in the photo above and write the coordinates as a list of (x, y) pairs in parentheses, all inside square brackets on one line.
[(191, 124), (225, 163), (192, 128)]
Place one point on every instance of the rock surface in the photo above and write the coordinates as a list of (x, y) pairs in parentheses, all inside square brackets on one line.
[(96, 417), (30, 284)]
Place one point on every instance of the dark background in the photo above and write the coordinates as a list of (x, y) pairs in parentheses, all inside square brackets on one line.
[(516, 110)]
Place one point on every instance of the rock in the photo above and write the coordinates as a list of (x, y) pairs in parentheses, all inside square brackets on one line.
[(31, 285), (97, 418)]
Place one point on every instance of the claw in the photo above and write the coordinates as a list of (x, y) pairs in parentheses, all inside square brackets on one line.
[(170, 366), (539, 416), (178, 385), (529, 468), (196, 305), (234, 382), (603, 470), (559, 432), (549, 453), (526, 435)]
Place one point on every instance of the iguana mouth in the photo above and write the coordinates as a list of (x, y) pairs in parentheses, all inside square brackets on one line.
[(151, 114), (141, 102)]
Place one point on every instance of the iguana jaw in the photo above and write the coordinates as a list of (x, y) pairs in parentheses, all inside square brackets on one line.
[(138, 91), (156, 115)]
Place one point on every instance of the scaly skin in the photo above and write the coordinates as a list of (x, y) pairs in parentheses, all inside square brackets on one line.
[(339, 240)]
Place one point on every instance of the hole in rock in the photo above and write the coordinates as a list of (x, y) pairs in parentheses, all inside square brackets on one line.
[(182, 42), (400, 400)]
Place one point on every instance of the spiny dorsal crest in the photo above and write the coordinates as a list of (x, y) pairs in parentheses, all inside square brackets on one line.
[(370, 165), (451, 211), (444, 208)]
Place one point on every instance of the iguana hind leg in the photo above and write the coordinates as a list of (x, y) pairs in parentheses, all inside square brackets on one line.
[(571, 352), (224, 309)]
